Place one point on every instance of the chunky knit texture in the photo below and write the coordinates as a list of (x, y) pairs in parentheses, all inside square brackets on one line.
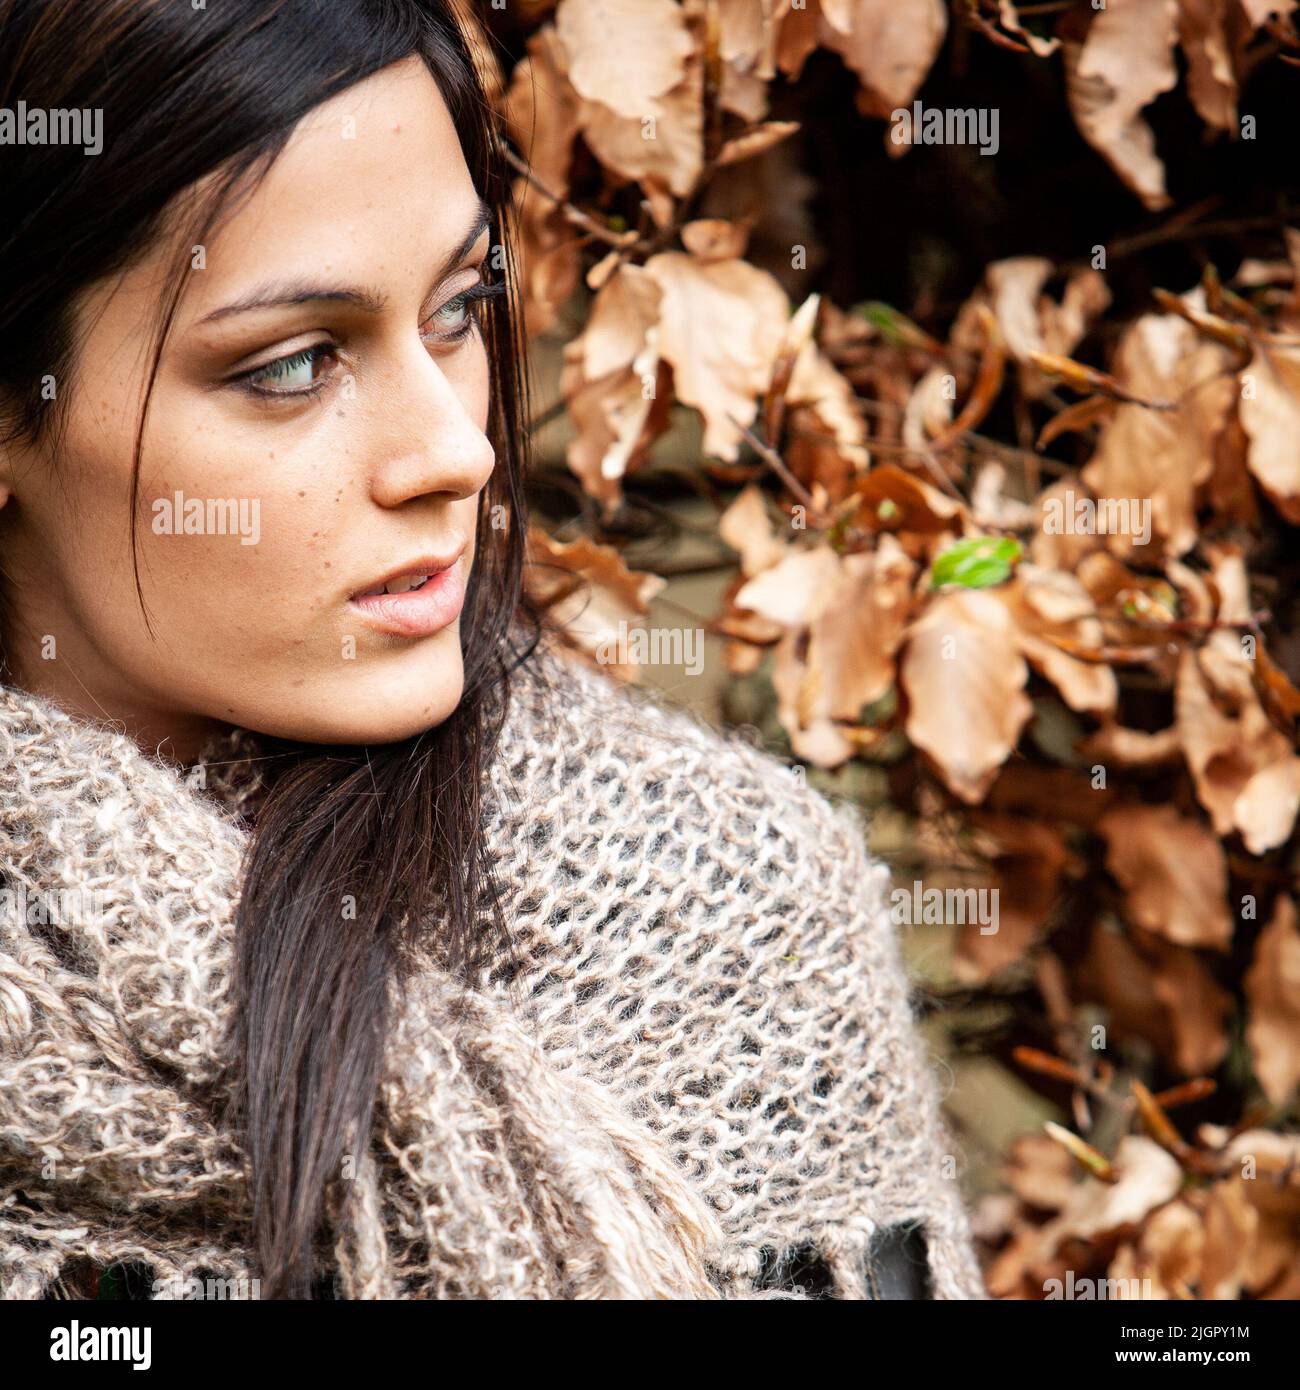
[(706, 1063)]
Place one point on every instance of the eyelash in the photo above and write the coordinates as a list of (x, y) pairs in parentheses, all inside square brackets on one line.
[(475, 295)]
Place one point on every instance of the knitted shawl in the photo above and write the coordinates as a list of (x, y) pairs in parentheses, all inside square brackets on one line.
[(707, 1064)]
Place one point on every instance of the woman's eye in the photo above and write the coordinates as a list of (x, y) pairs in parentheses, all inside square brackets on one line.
[(454, 316), (290, 376)]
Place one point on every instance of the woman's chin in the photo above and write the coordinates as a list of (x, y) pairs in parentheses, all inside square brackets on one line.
[(378, 705)]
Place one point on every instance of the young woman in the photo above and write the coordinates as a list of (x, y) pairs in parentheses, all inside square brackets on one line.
[(355, 944)]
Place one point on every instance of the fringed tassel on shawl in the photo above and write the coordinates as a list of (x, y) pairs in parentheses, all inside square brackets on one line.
[(559, 1193)]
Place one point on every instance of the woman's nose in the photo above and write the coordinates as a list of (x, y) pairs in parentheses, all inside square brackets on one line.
[(435, 443)]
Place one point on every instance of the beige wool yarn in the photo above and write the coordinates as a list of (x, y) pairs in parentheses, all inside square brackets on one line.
[(707, 1060)]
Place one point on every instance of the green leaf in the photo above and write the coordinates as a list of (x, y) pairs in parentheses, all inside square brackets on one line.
[(888, 322), (976, 563)]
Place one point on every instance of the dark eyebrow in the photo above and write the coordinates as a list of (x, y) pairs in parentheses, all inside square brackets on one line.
[(283, 295)]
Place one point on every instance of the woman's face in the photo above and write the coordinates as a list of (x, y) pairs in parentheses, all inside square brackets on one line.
[(299, 451)]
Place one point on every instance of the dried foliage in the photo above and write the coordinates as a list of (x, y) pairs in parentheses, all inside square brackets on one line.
[(1034, 563)]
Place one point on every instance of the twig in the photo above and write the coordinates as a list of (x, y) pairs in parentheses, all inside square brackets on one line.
[(620, 240), (777, 464)]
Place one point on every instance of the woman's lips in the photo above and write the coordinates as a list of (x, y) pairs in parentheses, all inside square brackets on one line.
[(418, 612)]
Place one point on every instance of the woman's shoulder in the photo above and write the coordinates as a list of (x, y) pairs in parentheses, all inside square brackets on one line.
[(626, 829), (706, 935), (585, 748)]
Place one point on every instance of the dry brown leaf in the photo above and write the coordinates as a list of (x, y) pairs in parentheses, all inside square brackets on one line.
[(742, 658), (721, 327), (891, 499), (715, 239), (610, 383), (1157, 459), (1273, 994), (624, 54), (550, 266), (1032, 322), (1225, 751), (890, 44), (665, 151), (1082, 415), (1173, 872), (747, 33), (622, 315), (1040, 1172), (1195, 602), (929, 408), (1168, 1251), (1258, 11), (587, 589), (756, 141), (1266, 808), (1126, 61), (1211, 80), (1050, 607), (1015, 287), (1061, 548), (541, 111), (1028, 862), (1148, 1177), (742, 623), (853, 640), (853, 632), (1010, 21), (1271, 1154), (794, 591), (1197, 1007), (1268, 1165), (1065, 324), (797, 37), (747, 528), (823, 414), (1231, 1223), (965, 680), (813, 735), (1270, 416), (1133, 748), (991, 507), (1162, 993)]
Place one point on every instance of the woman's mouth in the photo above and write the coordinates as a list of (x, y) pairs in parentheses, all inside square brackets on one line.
[(419, 600)]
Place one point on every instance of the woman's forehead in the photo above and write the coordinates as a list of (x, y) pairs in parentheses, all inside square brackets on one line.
[(371, 189)]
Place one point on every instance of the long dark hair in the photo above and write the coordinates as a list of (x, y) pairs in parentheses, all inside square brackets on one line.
[(395, 830)]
